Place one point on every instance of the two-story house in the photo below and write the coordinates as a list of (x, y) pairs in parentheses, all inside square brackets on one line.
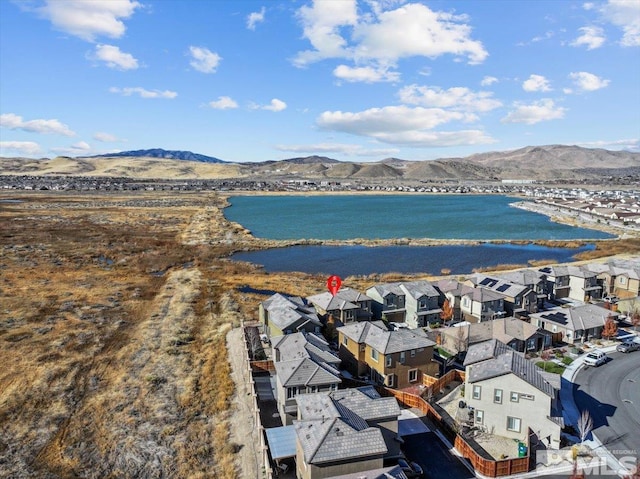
[(618, 278), (397, 359), (282, 314), (303, 363), (348, 305), (345, 432), (532, 279), (452, 291), (509, 395), (583, 284), (557, 277), (414, 303), (480, 304), (519, 300)]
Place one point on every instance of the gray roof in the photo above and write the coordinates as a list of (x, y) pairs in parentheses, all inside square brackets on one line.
[(578, 318), (484, 351), (502, 329), (525, 277), (497, 284), (304, 345), (555, 271), (305, 372), (339, 302), (333, 425), (415, 289), (377, 335), (482, 295), (286, 312), (580, 271), (506, 361)]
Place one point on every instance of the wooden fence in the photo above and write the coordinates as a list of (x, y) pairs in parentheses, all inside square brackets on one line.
[(471, 451), (437, 384)]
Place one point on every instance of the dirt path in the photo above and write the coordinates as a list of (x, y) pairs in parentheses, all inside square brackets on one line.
[(242, 418)]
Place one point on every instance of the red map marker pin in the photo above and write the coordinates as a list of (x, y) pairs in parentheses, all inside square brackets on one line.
[(333, 284)]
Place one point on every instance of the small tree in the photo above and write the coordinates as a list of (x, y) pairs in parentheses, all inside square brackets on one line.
[(610, 328), (585, 425), (447, 312)]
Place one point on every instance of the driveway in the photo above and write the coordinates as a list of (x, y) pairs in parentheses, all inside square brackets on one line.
[(611, 393), (433, 456)]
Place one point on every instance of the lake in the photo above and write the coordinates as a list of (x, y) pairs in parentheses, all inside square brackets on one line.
[(343, 217)]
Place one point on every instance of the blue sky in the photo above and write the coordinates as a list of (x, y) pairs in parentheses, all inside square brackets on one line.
[(245, 80)]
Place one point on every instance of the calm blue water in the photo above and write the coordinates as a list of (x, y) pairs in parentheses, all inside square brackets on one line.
[(397, 216), (341, 217), (361, 260)]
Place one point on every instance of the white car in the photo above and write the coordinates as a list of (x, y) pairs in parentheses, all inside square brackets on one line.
[(595, 358)]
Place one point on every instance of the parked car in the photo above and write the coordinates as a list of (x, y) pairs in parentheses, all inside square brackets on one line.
[(595, 358), (410, 469), (628, 346)]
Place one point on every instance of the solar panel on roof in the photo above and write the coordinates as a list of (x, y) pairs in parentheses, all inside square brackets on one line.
[(485, 281), (502, 288)]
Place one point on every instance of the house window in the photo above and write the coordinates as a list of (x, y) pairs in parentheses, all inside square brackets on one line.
[(345, 340), (513, 424), (403, 357), (413, 375), (389, 380), (623, 280), (413, 353), (291, 393), (424, 303), (374, 355), (479, 416), (388, 301), (389, 361), (465, 302), (514, 396), (497, 396), (363, 347), (476, 392)]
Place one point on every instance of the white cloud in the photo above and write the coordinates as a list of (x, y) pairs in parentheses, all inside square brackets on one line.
[(365, 74), (456, 98), (254, 18), (80, 148), (626, 15), (144, 93), (632, 144), (536, 83), (105, 137), (15, 122), (535, 112), (223, 103), (89, 19), (274, 105), (203, 59), (585, 81), (488, 81), (8, 148), (403, 125), (592, 38), (342, 148), (379, 39), (114, 58)]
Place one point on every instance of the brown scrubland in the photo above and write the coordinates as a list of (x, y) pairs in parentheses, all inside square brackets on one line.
[(114, 312)]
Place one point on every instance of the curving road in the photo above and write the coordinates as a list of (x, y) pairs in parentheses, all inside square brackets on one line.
[(611, 393)]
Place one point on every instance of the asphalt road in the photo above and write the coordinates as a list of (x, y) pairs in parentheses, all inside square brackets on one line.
[(435, 459), (611, 393)]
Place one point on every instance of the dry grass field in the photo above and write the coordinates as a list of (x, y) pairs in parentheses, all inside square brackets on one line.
[(114, 312)]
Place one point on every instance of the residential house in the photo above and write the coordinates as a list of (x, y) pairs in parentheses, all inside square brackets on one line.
[(288, 314), (480, 304), (304, 364), (583, 284), (414, 303), (619, 278), (452, 291), (519, 335), (576, 324), (348, 305), (532, 279), (345, 432), (519, 300), (557, 277), (509, 395), (397, 359)]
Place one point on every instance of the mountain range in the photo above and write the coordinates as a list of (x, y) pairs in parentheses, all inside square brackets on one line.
[(532, 163)]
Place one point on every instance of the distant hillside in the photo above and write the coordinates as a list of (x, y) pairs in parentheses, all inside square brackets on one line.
[(160, 153), (532, 163)]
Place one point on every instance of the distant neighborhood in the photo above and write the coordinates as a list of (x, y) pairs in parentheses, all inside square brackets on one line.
[(346, 381)]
